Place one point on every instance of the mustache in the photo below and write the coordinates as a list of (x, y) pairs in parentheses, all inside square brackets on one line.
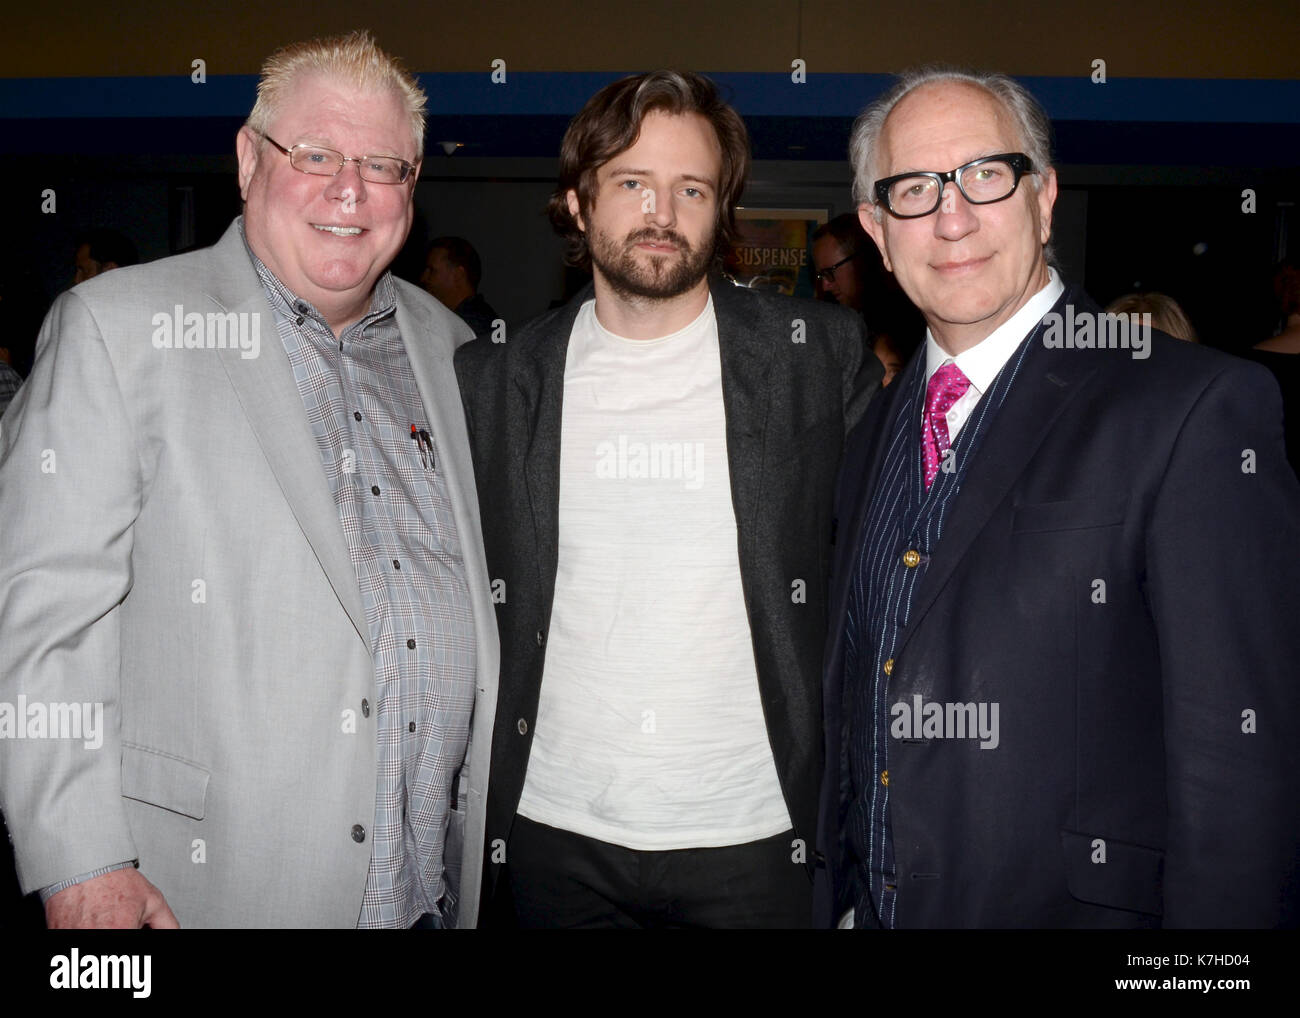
[(652, 236)]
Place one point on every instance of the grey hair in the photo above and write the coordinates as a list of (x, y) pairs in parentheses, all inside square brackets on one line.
[(1031, 121)]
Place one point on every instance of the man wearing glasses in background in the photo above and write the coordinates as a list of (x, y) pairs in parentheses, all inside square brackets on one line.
[(849, 272), (241, 529), (1060, 682)]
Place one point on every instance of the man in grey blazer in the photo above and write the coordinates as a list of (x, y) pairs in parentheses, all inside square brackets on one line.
[(246, 637)]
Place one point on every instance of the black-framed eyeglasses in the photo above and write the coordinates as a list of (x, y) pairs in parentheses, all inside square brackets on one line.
[(827, 274), (981, 182), (326, 162)]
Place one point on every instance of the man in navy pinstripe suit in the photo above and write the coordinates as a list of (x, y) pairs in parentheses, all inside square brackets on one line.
[(1061, 674)]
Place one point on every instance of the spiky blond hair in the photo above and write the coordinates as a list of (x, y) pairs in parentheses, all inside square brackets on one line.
[(354, 59)]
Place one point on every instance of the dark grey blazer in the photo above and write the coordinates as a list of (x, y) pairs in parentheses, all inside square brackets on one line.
[(789, 404)]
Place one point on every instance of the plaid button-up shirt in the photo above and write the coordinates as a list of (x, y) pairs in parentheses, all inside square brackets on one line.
[(361, 401)]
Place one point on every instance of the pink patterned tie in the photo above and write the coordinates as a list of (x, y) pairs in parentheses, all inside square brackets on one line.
[(947, 385)]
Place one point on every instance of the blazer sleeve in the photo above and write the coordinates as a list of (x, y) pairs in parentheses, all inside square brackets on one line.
[(1224, 589), (70, 492)]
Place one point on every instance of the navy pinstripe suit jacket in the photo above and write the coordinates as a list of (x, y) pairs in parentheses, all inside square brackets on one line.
[(1146, 771)]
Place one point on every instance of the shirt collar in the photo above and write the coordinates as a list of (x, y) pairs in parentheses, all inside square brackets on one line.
[(383, 301), (982, 362)]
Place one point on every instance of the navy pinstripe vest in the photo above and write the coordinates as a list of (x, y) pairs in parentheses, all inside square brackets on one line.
[(902, 518)]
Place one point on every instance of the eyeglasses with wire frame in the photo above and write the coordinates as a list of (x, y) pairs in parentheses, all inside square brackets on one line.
[(326, 162), (981, 182)]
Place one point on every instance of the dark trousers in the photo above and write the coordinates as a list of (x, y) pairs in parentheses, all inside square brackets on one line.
[(563, 880)]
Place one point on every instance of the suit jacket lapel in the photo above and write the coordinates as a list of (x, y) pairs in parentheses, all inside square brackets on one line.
[(271, 402), (539, 376), (1044, 387), (429, 350), (745, 368), (876, 429)]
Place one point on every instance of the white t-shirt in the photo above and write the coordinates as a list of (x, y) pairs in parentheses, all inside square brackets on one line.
[(650, 731)]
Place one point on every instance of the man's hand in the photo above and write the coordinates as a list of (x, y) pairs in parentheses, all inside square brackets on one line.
[(120, 900)]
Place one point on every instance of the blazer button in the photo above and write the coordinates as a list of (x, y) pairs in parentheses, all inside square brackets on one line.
[(358, 833), (365, 708), (522, 726), (884, 778), (889, 667), (540, 638), (911, 558)]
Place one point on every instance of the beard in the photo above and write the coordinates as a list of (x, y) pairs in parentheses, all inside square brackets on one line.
[(663, 277)]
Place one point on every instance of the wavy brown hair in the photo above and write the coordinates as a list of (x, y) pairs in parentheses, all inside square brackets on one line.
[(610, 123)]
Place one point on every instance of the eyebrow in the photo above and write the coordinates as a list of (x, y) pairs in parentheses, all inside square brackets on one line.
[(316, 141), (621, 171), (984, 154)]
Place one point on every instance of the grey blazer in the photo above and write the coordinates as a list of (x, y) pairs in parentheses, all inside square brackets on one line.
[(169, 548)]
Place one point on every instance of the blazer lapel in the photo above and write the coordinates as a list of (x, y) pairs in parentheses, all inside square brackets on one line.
[(876, 430), (745, 368), (539, 376), (429, 350), (1043, 389), (271, 402)]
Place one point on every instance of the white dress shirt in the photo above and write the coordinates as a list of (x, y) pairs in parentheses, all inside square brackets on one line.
[(982, 362)]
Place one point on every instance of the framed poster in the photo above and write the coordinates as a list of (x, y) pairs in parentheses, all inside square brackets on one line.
[(773, 251)]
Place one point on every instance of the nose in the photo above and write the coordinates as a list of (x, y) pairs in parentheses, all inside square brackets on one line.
[(659, 208), (955, 217), (347, 185)]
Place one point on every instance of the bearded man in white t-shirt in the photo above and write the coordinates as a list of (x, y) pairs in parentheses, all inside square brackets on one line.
[(656, 463)]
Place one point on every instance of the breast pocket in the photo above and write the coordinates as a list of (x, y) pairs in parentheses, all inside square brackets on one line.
[(1072, 514)]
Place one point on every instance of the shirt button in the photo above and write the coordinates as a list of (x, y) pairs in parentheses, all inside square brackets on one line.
[(356, 415), (522, 726), (884, 778), (396, 564), (911, 558), (540, 638), (374, 489), (299, 320), (365, 708), (358, 833), (889, 667), (410, 645), (411, 727)]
